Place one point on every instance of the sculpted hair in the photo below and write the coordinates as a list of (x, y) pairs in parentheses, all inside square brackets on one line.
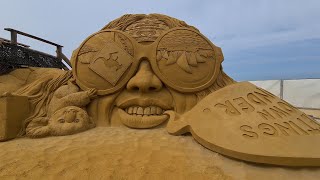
[(126, 20), (222, 80)]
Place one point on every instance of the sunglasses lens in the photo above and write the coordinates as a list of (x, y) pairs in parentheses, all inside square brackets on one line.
[(186, 60), (103, 61)]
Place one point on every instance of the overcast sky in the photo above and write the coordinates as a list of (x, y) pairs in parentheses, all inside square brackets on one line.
[(261, 39)]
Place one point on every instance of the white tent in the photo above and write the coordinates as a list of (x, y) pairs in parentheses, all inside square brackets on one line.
[(302, 93)]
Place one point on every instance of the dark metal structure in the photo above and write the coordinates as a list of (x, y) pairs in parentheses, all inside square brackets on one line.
[(16, 55)]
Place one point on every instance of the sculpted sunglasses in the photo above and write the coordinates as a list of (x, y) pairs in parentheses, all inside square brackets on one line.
[(182, 58)]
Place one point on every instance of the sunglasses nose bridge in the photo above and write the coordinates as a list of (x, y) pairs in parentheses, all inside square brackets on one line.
[(145, 52)]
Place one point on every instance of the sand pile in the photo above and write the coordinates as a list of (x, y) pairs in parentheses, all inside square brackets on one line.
[(122, 153)]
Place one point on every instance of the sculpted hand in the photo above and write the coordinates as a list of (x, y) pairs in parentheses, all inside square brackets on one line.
[(92, 93), (38, 128), (72, 80)]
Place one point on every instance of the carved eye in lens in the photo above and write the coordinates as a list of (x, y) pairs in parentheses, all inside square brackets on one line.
[(76, 120), (61, 120)]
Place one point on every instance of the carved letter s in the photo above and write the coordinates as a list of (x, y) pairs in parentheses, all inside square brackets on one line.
[(248, 133)]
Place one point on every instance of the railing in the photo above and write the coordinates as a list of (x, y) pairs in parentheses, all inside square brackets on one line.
[(14, 41), (9, 41)]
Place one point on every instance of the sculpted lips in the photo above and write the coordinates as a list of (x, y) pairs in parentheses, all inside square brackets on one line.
[(142, 113)]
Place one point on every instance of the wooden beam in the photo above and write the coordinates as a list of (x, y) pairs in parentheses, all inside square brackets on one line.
[(14, 37), (31, 36)]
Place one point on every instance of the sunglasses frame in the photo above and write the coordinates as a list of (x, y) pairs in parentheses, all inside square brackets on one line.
[(148, 52)]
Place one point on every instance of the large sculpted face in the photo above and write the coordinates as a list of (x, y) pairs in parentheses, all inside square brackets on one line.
[(145, 69)]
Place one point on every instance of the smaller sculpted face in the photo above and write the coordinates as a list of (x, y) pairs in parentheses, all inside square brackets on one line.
[(69, 120)]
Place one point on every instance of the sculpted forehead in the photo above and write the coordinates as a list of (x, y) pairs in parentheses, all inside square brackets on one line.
[(72, 109), (145, 30)]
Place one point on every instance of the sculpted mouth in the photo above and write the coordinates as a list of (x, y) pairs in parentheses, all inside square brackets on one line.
[(144, 111), (142, 117)]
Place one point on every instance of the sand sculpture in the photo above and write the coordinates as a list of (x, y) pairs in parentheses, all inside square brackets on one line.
[(146, 71)]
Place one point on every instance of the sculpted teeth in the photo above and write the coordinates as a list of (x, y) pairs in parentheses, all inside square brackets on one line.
[(159, 110), (153, 110), (135, 110), (147, 110), (129, 110), (141, 111)]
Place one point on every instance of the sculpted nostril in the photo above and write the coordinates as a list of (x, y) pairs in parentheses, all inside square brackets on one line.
[(152, 88), (135, 88)]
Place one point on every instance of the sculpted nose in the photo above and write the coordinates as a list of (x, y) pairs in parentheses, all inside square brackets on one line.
[(70, 116), (144, 80)]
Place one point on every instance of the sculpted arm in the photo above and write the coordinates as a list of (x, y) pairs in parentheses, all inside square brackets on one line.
[(79, 99), (38, 128)]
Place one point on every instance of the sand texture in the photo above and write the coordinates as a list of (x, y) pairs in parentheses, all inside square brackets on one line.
[(122, 153)]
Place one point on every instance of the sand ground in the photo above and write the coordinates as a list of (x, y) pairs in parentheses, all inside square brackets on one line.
[(122, 153)]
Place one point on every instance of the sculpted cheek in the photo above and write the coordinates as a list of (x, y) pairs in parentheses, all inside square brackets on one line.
[(183, 102), (100, 109)]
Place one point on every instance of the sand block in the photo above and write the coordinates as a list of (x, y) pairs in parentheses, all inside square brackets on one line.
[(13, 110), (251, 124)]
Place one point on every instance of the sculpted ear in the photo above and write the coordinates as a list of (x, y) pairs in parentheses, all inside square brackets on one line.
[(38, 128)]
